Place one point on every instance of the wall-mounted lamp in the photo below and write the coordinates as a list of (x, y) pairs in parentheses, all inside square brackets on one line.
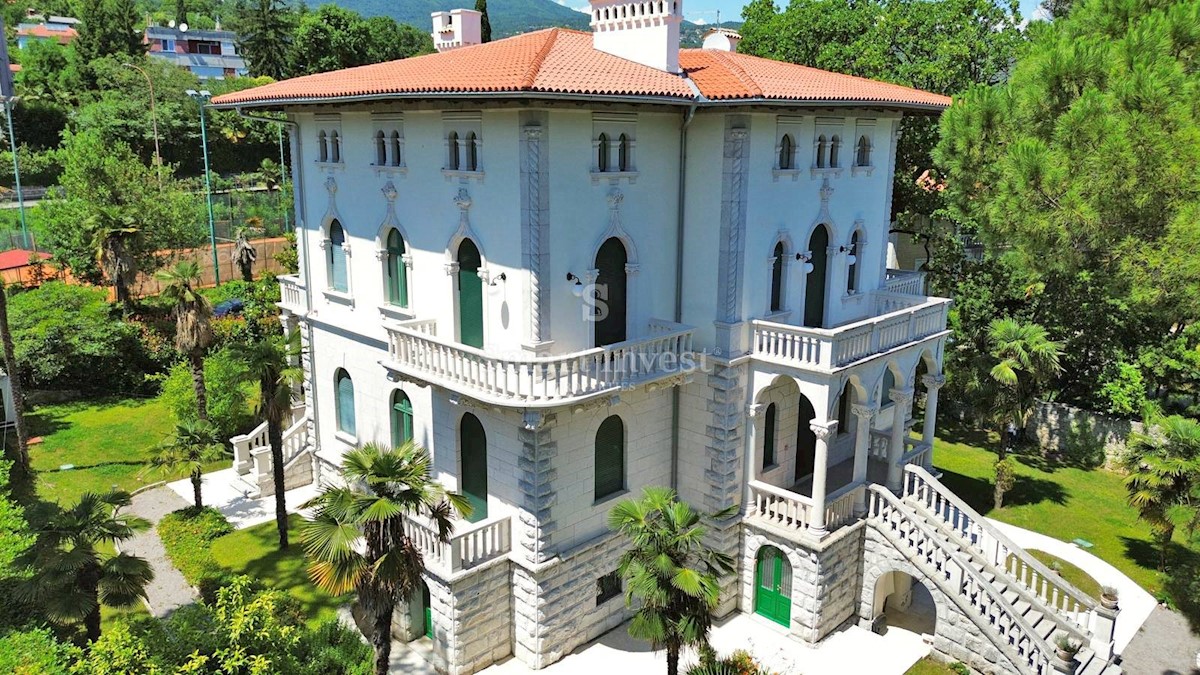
[(843, 249), (501, 277), (804, 257), (576, 285), (572, 277)]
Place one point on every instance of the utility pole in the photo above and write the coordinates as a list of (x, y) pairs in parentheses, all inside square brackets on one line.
[(202, 97)]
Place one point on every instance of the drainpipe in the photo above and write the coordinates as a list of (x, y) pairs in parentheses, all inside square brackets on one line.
[(688, 116)]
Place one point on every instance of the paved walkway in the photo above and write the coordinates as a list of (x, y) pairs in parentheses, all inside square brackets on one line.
[(226, 492), (1165, 645), (169, 590)]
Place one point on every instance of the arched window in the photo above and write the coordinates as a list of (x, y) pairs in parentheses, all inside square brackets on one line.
[(777, 260), (402, 419), (835, 144), (338, 274), (380, 149), (472, 446), (322, 146), (472, 152), (822, 144), (889, 383), (864, 152), (452, 146), (610, 457), (852, 272), (623, 153), (787, 151), (602, 153), (470, 295), (769, 437), (611, 286), (344, 402), (843, 409), (396, 274), (397, 160), (335, 149)]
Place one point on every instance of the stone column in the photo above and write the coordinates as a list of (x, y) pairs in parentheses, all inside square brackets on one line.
[(751, 470), (824, 431), (1104, 624), (932, 383), (901, 398), (862, 445)]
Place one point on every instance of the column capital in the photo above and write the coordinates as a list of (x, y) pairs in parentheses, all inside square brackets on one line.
[(865, 411), (824, 430), (753, 409), (933, 382), (901, 396)]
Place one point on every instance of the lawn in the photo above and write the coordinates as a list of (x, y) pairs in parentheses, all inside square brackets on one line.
[(1063, 502), (254, 551), (1069, 572), (930, 666)]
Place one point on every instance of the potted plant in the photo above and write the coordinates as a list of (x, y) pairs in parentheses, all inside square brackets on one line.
[(1109, 596), (1066, 648)]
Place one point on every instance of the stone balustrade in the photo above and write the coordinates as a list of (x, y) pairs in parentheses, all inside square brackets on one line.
[(909, 282), (791, 510), (291, 294), (417, 351), (470, 545), (899, 319)]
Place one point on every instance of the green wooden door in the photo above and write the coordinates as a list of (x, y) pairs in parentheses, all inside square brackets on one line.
[(427, 611), (610, 293), (814, 289), (473, 443), (470, 295), (806, 440), (610, 457), (773, 586), (402, 419)]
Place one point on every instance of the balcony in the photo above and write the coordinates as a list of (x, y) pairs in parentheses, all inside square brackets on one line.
[(416, 351), (909, 282), (291, 294), (470, 545), (898, 319)]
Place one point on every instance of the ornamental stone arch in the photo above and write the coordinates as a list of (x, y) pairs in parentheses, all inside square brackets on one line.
[(390, 220), (331, 213), (874, 570), (616, 229), (799, 563), (464, 231)]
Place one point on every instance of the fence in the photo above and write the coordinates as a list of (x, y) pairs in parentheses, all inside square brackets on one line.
[(146, 284)]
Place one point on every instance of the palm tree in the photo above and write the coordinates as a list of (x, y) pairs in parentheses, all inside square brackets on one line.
[(356, 541), (1164, 478), (72, 578), (670, 570), (194, 445), (244, 256), (193, 323), (1026, 360), (270, 363), (24, 469), (116, 238)]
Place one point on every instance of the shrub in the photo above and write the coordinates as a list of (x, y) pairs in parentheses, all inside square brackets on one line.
[(289, 258), (187, 535), (228, 397), (960, 668), (33, 651)]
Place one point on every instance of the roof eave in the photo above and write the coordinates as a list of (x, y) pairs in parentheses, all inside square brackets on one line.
[(826, 103), (435, 95)]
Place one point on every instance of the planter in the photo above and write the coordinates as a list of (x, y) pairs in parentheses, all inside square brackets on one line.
[(1108, 601)]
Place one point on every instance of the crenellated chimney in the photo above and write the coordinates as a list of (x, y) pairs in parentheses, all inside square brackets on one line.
[(457, 28), (643, 31)]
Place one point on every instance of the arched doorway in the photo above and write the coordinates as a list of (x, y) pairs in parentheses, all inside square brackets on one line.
[(426, 612), (773, 586), (814, 288), (470, 295), (806, 440), (473, 447), (901, 601), (610, 294)]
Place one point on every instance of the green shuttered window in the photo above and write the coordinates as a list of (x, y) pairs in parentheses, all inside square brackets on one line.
[(470, 295), (345, 402), (473, 446), (396, 274), (338, 276), (402, 419), (610, 457)]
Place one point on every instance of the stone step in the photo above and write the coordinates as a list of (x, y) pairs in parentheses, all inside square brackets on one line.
[(1045, 628)]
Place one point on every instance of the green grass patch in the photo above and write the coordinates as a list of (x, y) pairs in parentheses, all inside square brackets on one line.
[(255, 552), (1062, 502), (1070, 573), (188, 536), (931, 666)]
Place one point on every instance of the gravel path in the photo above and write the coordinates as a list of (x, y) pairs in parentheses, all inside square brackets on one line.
[(169, 590), (1164, 646)]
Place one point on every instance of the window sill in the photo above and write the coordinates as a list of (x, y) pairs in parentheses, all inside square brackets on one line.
[(614, 177), (612, 496), (397, 312), (463, 175), (862, 170), (346, 438), (388, 170), (330, 166), (340, 297), (776, 174), (831, 172)]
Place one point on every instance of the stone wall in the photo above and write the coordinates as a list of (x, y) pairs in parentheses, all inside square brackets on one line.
[(1077, 432), (296, 474), (476, 619)]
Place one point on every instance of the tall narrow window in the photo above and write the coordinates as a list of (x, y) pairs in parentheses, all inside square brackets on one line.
[(472, 151), (852, 272), (610, 457), (402, 419), (822, 144), (344, 402), (338, 277), (472, 447), (889, 383), (335, 147), (452, 147), (864, 151), (769, 437), (602, 153), (787, 150), (777, 278), (397, 160), (623, 153), (397, 275), (322, 146), (835, 144), (380, 149), (843, 410)]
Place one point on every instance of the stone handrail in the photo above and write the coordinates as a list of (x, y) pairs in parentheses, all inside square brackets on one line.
[(470, 545), (900, 319), (294, 441), (291, 292), (909, 282), (983, 537), (779, 506), (915, 451), (839, 506), (245, 444), (537, 381), (947, 567)]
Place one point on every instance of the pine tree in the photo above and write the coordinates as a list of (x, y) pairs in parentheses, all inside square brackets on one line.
[(485, 26)]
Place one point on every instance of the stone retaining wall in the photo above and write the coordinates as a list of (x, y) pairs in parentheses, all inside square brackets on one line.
[(1078, 433)]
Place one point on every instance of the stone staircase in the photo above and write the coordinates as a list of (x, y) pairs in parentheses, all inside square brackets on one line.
[(252, 457), (1019, 605)]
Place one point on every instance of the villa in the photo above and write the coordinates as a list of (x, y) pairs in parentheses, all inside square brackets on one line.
[(572, 265)]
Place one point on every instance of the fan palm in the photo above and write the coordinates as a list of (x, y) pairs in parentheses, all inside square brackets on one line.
[(271, 364), (116, 239), (194, 445), (670, 570), (356, 541), (1026, 360), (72, 578), (1164, 478), (193, 322), (244, 256)]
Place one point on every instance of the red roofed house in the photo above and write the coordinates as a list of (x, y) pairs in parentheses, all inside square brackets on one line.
[(62, 29), (575, 265)]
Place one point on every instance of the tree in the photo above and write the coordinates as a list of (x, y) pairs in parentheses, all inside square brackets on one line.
[(72, 577), (194, 445), (485, 28), (332, 38), (270, 365), (107, 28), (16, 390), (1164, 478), (670, 570), (193, 322), (1005, 479), (244, 255), (264, 29), (391, 41), (357, 541), (1026, 361)]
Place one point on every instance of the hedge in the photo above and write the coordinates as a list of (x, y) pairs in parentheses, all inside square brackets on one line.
[(187, 535)]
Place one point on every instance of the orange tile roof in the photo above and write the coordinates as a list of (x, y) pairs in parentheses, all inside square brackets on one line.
[(41, 31), (562, 61)]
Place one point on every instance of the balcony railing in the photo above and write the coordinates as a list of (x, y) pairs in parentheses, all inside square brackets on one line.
[(909, 282), (470, 545), (539, 381), (291, 293), (899, 320), (915, 449), (792, 510)]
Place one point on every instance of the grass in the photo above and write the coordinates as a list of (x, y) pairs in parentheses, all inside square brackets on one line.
[(255, 552), (1067, 571), (1063, 502), (930, 666)]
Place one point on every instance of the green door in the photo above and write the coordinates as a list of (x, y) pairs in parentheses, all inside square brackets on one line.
[(473, 443), (773, 586), (470, 295), (428, 613), (814, 288), (610, 293), (402, 419)]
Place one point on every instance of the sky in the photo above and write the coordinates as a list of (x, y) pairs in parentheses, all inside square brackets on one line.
[(705, 11)]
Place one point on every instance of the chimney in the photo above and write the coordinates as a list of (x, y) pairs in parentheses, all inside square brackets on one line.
[(643, 31), (457, 28), (723, 39)]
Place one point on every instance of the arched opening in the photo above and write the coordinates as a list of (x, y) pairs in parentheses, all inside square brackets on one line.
[(344, 402), (472, 151), (623, 153), (452, 149), (380, 149), (611, 286), (822, 144), (769, 434), (814, 289), (920, 392), (835, 145), (425, 608), (396, 276), (335, 147), (470, 295), (903, 602), (472, 443), (397, 160), (806, 440), (402, 419), (852, 271), (322, 146), (777, 277), (336, 259), (845, 400), (773, 586), (602, 153), (610, 457), (787, 152), (864, 152)]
